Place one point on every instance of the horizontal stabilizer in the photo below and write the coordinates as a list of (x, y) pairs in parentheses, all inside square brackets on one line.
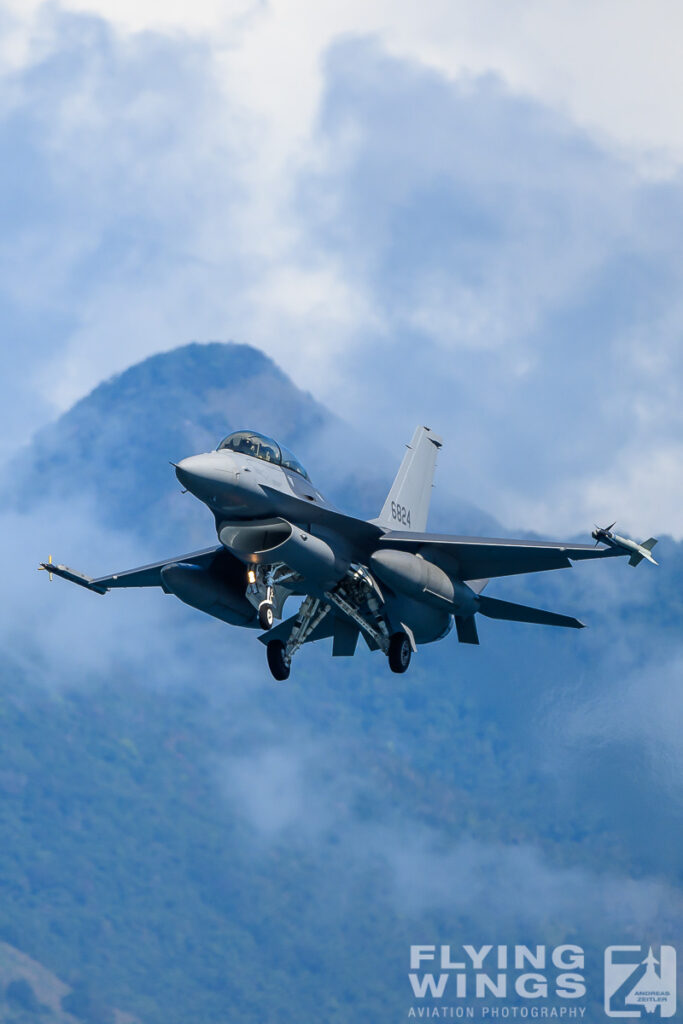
[(345, 638), (495, 609), (466, 629)]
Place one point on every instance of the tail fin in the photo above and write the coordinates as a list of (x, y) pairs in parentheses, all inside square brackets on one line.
[(649, 543), (407, 504)]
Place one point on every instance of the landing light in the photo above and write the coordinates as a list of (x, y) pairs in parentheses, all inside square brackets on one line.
[(251, 576)]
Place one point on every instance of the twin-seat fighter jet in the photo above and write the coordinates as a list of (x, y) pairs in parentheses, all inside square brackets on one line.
[(385, 579)]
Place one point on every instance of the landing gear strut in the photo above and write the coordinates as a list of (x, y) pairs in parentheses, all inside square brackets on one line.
[(399, 652), (348, 597), (265, 591), (310, 615), (277, 661)]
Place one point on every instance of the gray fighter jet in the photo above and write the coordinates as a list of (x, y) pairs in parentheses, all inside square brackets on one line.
[(386, 579)]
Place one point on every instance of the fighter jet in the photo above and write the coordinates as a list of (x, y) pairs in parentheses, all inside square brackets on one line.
[(385, 579)]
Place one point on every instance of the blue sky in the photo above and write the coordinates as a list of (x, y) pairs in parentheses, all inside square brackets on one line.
[(421, 217)]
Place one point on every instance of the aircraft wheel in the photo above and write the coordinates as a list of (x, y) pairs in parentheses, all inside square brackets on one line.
[(400, 652), (275, 652), (266, 615)]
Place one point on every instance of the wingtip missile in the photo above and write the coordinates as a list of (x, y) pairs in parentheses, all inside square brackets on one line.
[(47, 566), (637, 551), (73, 576)]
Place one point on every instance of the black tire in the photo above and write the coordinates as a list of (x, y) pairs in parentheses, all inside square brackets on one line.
[(275, 652), (266, 615), (400, 652)]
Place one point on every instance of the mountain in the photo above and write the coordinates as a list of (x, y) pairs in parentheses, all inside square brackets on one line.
[(186, 840), (28, 991), (116, 443)]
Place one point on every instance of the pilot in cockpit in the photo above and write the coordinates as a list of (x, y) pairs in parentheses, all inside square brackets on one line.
[(259, 446)]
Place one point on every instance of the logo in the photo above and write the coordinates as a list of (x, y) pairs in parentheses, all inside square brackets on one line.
[(637, 984), (492, 972)]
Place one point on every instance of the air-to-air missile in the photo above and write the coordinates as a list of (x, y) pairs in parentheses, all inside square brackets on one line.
[(638, 551)]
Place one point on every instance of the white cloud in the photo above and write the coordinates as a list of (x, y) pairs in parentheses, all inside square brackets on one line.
[(410, 244), (283, 789), (641, 484), (641, 708), (515, 885), (62, 635), (615, 67), (60, 632), (298, 793)]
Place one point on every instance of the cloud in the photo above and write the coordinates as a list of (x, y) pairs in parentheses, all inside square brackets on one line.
[(524, 289), (297, 794), (630, 718), (60, 635), (119, 199), (282, 789), (505, 887), (615, 69), (434, 248)]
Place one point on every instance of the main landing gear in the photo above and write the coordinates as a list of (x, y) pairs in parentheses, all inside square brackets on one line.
[(277, 660), (399, 652), (310, 615), (279, 663), (355, 597)]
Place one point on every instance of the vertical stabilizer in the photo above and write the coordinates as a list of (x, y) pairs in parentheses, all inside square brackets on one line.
[(407, 504)]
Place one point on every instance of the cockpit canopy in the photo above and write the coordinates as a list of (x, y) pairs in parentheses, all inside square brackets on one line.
[(248, 442)]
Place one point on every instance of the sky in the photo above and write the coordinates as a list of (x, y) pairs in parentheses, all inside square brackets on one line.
[(465, 214)]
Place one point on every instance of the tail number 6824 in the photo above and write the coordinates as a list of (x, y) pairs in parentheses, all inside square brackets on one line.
[(400, 513)]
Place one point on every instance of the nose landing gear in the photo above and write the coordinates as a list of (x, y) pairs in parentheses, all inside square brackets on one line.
[(266, 591), (266, 614)]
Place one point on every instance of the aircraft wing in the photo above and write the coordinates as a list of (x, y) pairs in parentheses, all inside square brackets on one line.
[(480, 558), (144, 576)]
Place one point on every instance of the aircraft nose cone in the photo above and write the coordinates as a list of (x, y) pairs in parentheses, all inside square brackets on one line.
[(206, 476), (184, 472), (182, 476)]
